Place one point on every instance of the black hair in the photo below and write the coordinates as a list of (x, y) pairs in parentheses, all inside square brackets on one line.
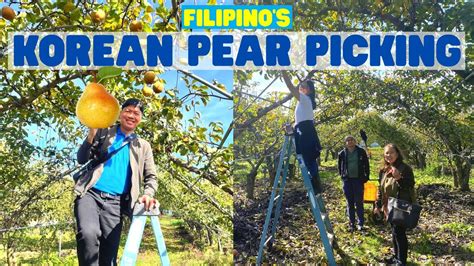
[(135, 102), (386, 165), (312, 92)]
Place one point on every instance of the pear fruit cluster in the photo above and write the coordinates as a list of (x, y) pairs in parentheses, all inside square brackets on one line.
[(96, 107), (150, 78)]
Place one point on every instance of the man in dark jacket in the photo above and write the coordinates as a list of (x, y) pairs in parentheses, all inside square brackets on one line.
[(353, 166), (107, 193)]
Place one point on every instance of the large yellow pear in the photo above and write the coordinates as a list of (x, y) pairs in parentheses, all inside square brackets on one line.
[(97, 108)]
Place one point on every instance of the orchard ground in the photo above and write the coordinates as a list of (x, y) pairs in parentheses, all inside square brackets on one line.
[(181, 247), (444, 235)]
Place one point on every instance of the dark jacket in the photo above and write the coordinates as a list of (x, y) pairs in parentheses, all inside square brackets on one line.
[(404, 188), (364, 170), (141, 163)]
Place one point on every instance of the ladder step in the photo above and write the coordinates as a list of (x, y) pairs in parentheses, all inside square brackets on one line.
[(327, 223), (325, 216), (331, 238), (320, 203), (268, 239), (316, 203)]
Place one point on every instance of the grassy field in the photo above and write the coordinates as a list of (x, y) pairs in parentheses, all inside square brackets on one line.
[(180, 246)]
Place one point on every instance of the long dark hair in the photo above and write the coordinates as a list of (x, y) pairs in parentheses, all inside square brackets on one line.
[(386, 165), (312, 94)]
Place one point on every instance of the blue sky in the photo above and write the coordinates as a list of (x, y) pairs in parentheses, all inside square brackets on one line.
[(217, 109)]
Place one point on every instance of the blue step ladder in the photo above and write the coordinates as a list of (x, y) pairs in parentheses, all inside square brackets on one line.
[(135, 235), (317, 205)]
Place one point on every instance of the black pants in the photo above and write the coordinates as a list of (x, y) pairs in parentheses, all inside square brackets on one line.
[(400, 243), (308, 145), (99, 225)]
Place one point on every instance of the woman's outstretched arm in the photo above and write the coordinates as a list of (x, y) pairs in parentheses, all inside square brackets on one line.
[(294, 90)]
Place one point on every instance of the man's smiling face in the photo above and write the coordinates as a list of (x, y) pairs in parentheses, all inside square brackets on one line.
[(130, 117)]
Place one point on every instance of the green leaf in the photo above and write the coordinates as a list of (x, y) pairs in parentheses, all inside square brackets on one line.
[(76, 14), (147, 28), (108, 72), (183, 151)]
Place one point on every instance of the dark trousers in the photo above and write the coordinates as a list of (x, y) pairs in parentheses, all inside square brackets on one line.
[(354, 192), (312, 166), (99, 225), (308, 145), (400, 243)]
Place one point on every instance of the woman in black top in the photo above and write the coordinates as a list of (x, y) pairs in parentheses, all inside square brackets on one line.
[(396, 180)]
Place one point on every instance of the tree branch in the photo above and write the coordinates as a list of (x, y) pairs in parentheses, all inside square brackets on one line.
[(197, 191), (37, 93), (202, 174), (261, 112)]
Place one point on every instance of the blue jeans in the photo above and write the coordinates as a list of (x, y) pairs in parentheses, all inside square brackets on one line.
[(354, 192)]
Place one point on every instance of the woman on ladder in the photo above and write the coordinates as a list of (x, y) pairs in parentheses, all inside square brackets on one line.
[(308, 147)]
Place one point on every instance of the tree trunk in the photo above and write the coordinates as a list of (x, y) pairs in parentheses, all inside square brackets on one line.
[(274, 163), (10, 248), (463, 172), (421, 160), (250, 187), (209, 237), (453, 172), (9, 255), (219, 244), (250, 184), (271, 169), (326, 157)]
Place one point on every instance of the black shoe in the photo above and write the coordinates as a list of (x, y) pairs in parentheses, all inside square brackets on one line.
[(399, 263), (390, 260)]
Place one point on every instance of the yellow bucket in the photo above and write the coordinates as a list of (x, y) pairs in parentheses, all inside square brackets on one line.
[(370, 192)]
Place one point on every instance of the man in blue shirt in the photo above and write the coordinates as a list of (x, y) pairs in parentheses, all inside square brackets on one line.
[(126, 171)]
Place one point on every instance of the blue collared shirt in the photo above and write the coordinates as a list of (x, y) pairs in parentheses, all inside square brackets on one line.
[(116, 177)]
